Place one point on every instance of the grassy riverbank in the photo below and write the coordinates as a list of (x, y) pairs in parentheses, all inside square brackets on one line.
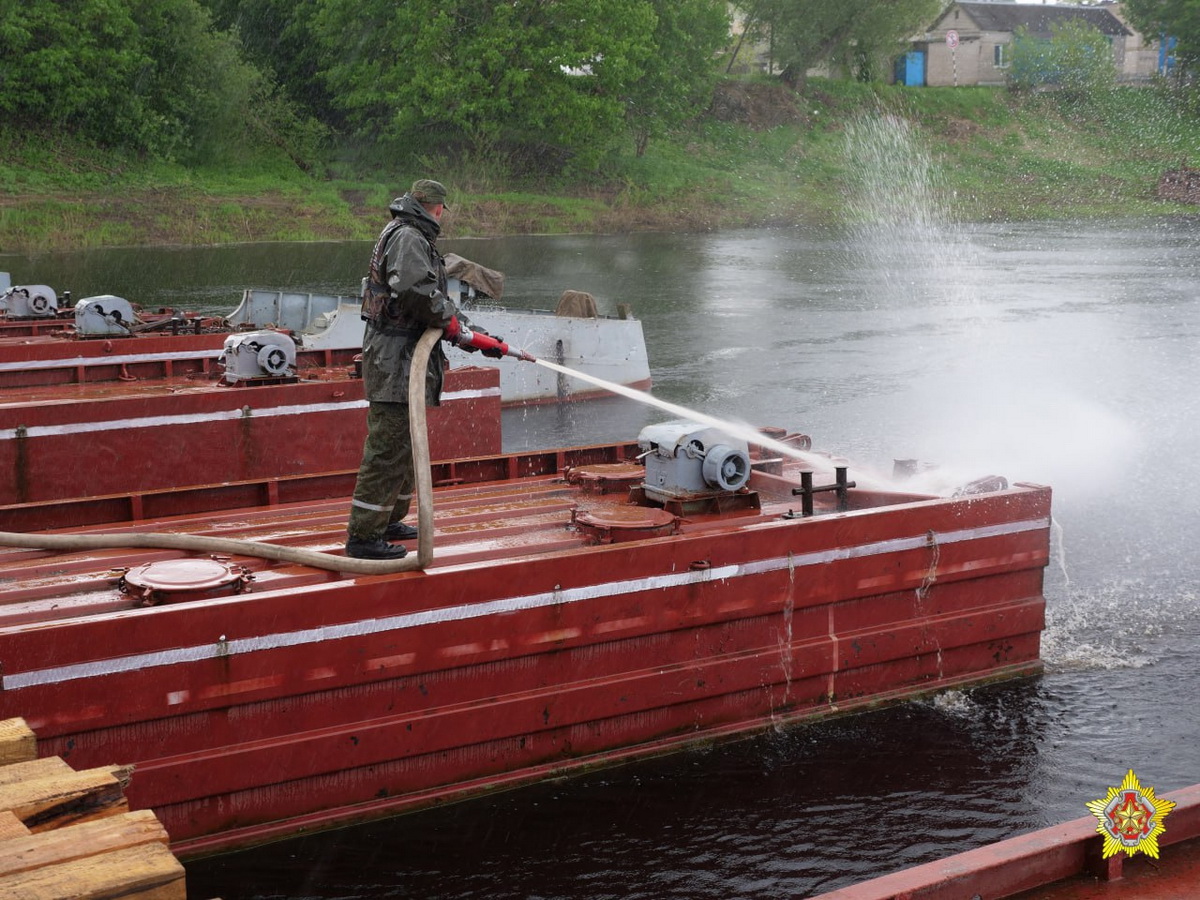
[(765, 155)]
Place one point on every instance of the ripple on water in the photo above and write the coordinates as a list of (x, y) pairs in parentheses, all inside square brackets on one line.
[(1119, 624)]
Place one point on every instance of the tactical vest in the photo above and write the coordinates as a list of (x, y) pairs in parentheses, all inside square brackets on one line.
[(376, 292), (380, 306)]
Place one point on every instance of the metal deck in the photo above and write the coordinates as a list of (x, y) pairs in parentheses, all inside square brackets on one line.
[(558, 628)]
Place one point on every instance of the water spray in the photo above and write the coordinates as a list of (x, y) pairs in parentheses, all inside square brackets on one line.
[(464, 337), (747, 433)]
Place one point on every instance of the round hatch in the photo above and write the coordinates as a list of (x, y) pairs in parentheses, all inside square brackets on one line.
[(611, 525), (606, 478), (172, 580)]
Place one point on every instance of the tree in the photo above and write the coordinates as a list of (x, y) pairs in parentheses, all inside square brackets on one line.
[(756, 20), (277, 36), (539, 82), (194, 87), (151, 76), (678, 75), (1179, 19), (883, 34), (69, 65), (860, 36), (1076, 57), (529, 73)]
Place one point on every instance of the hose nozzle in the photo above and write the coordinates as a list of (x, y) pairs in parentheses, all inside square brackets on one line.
[(465, 337)]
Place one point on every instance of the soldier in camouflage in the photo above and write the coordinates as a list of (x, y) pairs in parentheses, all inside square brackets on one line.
[(405, 295)]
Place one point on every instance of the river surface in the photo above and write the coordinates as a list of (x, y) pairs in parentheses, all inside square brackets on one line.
[(1063, 353)]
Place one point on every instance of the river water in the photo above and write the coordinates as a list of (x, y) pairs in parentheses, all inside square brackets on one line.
[(1058, 353)]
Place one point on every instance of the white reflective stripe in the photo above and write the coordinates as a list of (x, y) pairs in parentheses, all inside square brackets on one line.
[(405, 497), (225, 415), (371, 506), (467, 611), (470, 395), (896, 545), (211, 353)]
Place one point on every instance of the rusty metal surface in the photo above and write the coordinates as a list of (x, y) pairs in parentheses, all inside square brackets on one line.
[(525, 650), (47, 359), (65, 441), (1175, 875), (1058, 863)]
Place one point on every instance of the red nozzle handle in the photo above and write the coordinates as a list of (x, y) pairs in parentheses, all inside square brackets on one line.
[(464, 337), (484, 341)]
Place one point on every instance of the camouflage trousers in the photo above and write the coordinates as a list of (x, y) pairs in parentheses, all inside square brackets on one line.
[(384, 490)]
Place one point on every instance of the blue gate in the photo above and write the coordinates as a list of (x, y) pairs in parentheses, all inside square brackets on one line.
[(910, 68)]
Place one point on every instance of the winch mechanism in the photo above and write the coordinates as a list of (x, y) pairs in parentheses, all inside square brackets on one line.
[(104, 314), (686, 461), (256, 355), (29, 301)]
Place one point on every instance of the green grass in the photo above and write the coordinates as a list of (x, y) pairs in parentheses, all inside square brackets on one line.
[(998, 155)]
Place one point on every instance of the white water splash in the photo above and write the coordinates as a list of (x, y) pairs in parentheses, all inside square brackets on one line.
[(1056, 530), (1117, 625), (898, 182), (902, 214), (955, 702)]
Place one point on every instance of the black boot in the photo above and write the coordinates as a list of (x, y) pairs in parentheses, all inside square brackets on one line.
[(398, 531), (374, 548)]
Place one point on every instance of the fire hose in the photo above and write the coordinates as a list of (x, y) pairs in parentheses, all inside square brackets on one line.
[(317, 559)]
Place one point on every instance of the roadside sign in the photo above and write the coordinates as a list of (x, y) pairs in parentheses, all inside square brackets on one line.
[(952, 39)]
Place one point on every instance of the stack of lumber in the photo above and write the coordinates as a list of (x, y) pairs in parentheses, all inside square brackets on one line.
[(67, 834)]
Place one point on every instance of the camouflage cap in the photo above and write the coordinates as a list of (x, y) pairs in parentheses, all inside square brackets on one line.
[(428, 193)]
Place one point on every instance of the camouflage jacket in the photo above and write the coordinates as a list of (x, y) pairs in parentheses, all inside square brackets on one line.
[(405, 295)]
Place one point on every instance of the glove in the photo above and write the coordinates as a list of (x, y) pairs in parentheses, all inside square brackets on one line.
[(494, 352)]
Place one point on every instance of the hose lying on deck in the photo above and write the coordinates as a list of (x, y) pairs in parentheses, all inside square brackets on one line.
[(202, 544)]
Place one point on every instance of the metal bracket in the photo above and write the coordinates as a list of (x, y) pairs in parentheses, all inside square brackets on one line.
[(806, 489)]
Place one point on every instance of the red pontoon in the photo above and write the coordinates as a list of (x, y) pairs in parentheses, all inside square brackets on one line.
[(584, 606), (105, 437)]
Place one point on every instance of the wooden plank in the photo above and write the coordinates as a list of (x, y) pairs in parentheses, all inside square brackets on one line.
[(144, 872), (17, 742), (14, 773), (11, 827), (63, 845), (67, 797)]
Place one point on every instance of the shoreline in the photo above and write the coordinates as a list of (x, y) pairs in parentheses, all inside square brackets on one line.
[(364, 226), (981, 155), (103, 221)]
